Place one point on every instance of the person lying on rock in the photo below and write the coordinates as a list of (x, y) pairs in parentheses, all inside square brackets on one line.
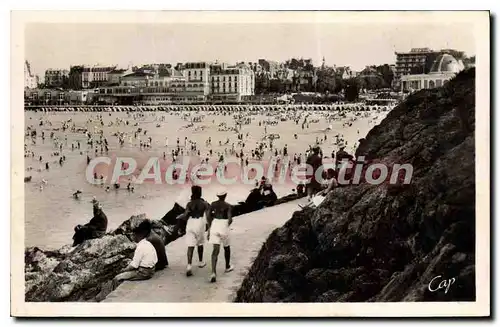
[(95, 228), (143, 264)]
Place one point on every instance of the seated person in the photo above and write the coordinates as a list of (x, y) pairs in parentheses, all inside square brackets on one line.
[(254, 200), (329, 175), (269, 197), (141, 267), (161, 253), (341, 155), (95, 228), (145, 259), (301, 189), (331, 186)]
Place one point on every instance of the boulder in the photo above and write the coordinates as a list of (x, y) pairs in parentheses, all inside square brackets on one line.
[(79, 273), (76, 275), (386, 242), (82, 273)]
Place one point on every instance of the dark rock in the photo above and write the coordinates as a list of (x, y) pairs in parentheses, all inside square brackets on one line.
[(76, 275), (386, 242), (328, 296)]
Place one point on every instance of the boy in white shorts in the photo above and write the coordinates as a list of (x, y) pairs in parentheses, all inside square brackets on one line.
[(219, 218), (196, 210)]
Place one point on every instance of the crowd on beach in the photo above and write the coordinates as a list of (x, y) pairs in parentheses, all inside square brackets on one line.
[(130, 134)]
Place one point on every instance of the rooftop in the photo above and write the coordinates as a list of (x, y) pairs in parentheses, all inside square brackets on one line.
[(139, 74), (446, 63), (118, 71)]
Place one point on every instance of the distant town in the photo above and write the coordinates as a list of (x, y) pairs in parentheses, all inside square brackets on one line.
[(262, 82)]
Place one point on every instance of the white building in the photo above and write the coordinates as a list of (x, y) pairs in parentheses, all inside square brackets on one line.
[(197, 76), (233, 83), (30, 80), (96, 76), (444, 68), (137, 79), (56, 77)]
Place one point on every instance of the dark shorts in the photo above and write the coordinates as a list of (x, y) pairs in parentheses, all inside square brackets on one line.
[(314, 186)]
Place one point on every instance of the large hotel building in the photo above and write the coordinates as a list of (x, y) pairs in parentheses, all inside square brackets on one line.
[(406, 61)]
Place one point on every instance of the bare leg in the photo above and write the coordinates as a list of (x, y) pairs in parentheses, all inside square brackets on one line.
[(215, 255), (309, 193), (227, 256), (190, 252), (200, 253)]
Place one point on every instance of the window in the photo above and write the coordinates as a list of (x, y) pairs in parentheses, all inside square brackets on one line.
[(224, 79)]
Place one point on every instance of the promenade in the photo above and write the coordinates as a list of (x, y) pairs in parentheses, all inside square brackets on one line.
[(248, 233)]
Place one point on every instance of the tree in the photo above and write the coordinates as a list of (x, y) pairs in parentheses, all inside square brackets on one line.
[(326, 81), (373, 82), (386, 73), (352, 89), (262, 83)]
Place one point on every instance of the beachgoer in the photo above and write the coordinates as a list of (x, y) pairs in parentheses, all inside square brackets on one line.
[(315, 161), (219, 219), (161, 253), (195, 213), (95, 228), (143, 264)]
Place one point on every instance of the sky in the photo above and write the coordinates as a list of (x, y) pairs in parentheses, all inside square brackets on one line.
[(60, 45)]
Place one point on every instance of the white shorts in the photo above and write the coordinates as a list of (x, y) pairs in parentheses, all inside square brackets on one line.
[(195, 231), (219, 232)]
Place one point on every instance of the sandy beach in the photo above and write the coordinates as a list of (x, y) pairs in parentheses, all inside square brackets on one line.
[(54, 187)]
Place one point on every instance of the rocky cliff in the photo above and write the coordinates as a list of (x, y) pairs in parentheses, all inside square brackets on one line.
[(387, 242)]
